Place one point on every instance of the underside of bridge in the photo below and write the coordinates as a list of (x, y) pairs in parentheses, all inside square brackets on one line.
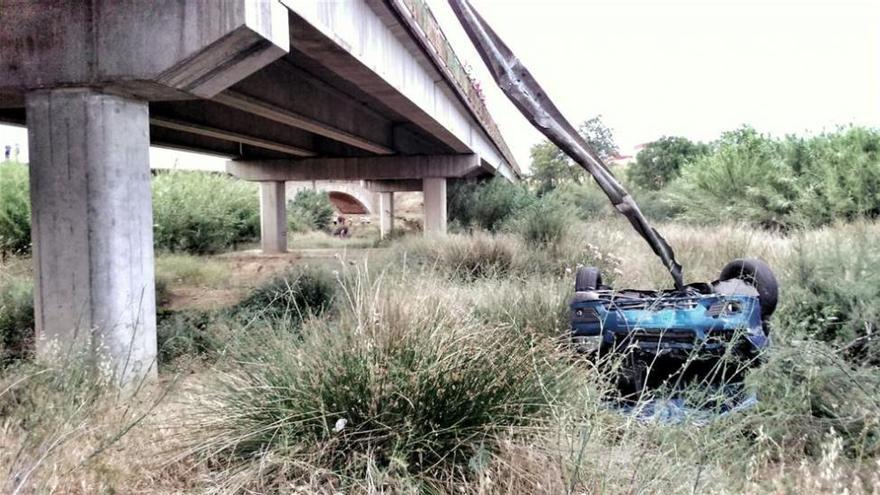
[(286, 89)]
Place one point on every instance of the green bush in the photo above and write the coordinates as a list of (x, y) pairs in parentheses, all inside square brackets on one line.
[(585, 200), (807, 393), (464, 257), (661, 161), (489, 205), (203, 213), (16, 319), (785, 183), (186, 333), (545, 222), (400, 382), (839, 174), (745, 179), (293, 295), (15, 209), (832, 291), (310, 210)]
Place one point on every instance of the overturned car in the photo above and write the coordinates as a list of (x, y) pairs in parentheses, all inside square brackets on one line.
[(705, 319), (727, 317)]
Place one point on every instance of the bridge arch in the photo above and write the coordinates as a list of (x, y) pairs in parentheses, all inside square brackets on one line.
[(349, 197), (347, 203)]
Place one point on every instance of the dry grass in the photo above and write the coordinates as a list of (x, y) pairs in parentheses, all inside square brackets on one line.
[(815, 429)]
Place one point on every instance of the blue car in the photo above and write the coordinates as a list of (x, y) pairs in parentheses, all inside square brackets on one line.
[(704, 320)]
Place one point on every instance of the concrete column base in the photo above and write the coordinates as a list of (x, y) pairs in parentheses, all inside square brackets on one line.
[(435, 205), (92, 228), (273, 217), (386, 214)]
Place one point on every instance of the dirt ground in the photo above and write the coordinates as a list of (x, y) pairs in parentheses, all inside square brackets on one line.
[(250, 268)]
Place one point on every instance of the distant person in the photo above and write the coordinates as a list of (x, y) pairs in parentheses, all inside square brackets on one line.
[(17, 150), (7, 150), (341, 228)]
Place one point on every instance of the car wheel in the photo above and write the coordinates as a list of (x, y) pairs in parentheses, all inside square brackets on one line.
[(759, 275), (587, 278)]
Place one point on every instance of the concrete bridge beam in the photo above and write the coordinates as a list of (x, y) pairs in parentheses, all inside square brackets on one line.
[(360, 168), (92, 228), (273, 217)]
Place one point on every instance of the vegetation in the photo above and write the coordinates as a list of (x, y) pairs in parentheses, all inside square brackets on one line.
[(661, 161), (190, 270), (419, 376), (386, 387), (293, 295), (15, 209), (489, 206), (199, 213), (784, 183), (309, 210), (551, 167), (16, 319), (442, 369)]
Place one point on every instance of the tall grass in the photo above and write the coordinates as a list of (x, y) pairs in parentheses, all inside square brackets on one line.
[(443, 373), (16, 319), (396, 387)]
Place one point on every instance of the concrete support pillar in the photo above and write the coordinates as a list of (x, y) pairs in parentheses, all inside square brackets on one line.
[(435, 205), (386, 214), (92, 227), (273, 217)]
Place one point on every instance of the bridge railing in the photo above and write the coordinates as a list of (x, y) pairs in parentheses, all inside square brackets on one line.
[(448, 62)]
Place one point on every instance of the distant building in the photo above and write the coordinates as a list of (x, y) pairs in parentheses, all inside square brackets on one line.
[(623, 157)]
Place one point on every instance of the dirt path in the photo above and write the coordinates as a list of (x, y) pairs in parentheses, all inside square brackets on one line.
[(251, 268)]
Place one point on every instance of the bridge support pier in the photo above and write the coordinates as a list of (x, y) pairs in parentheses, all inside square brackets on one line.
[(386, 214), (92, 228), (435, 205), (273, 217)]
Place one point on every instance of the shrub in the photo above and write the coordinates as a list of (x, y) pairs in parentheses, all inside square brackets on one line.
[(464, 257), (293, 295), (310, 210), (15, 209), (661, 161), (745, 179), (16, 319), (832, 289), (186, 333), (839, 174), (784, 183), (203, 213), (404, 382), (585, 200), (488, 205), (544, 223), (807, 392)]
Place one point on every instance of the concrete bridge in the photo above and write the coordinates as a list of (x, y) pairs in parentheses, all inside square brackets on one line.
[(286, 89)]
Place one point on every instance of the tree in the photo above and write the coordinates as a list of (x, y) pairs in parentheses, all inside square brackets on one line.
[(551, 167), (600, 137), (661, 161)]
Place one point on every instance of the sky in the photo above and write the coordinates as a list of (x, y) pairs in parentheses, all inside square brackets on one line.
[(692, 68)]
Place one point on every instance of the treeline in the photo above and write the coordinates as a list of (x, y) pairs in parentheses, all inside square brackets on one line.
[(744, 176)]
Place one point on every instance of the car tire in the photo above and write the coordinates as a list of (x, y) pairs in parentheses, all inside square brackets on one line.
[(759, 275), (587, 278)]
